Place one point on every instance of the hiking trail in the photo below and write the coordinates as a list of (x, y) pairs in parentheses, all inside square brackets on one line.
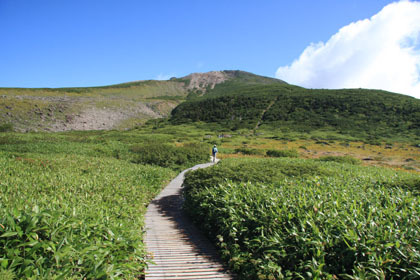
[(177, 248)]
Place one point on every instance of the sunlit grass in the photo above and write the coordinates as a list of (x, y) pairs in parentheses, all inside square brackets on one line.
[(306, 219), (54, 172)]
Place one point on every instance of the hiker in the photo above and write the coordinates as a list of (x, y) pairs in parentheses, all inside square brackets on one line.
[(214, 152)]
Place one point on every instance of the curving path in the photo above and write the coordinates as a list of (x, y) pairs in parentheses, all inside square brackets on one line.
[(177, 248)]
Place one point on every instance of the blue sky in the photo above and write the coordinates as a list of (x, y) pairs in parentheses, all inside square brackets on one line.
[(90, 43)]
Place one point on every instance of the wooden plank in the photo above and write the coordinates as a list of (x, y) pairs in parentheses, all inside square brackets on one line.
[(177, 249)]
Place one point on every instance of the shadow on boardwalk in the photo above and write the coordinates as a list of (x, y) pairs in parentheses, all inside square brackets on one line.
[(171, 207), (178, 249)]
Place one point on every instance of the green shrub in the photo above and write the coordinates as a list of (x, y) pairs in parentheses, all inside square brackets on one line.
[(348, 222), (248, 151), (410, 183), (252, 170), (166, 155), (282, 153), (6, 127), (6, 274), (10, 139), (373, 142), (226, 150), (355, 113), (341, 159), (74, 217)]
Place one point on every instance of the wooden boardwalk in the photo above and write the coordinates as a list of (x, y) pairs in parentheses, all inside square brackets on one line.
[(177, 248)]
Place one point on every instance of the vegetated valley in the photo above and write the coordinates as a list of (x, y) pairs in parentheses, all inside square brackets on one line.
[(312, 184)]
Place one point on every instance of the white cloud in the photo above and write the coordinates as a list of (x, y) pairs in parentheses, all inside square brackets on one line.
[(382, 52), (164, 77)]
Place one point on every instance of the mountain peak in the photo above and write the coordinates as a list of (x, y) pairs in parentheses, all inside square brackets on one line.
[(202, 81), (208, 80)]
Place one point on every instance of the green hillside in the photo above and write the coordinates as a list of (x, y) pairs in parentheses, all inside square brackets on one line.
[(230, 99), (235, 79), (358, 112), (283, 203), (90, 108), (290, 218), (117, 106), (72, 203)]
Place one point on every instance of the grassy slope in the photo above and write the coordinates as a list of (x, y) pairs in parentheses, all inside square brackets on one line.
[(61, 170), (245, 100), (124, 105), (306, 219), (72, 203), (41, 109), (358, 112), (95, 170), (74, 215)]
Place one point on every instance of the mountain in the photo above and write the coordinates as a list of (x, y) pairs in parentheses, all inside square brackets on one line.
[(108, 107), (357, 112), (230, 99), (200, 84)]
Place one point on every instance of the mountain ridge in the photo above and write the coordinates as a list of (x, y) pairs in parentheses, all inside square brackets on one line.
[(233, 98), (356, 112), (117, 106)]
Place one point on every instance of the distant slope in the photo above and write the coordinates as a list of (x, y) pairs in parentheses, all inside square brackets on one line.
[(108, 107), (365, 113), (92, 108), (222, 82), (234, 99)]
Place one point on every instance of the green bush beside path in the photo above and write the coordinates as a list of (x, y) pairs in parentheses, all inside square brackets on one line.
[(305, 219)]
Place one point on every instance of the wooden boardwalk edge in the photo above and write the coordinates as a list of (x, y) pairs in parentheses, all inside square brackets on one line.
[(177, 248)]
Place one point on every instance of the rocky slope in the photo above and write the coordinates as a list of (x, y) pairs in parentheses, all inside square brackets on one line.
[(203, 81), (110, 107)]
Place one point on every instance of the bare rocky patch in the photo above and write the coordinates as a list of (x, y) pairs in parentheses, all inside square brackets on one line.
[(202, 81), (46, 113), (94, 118)]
